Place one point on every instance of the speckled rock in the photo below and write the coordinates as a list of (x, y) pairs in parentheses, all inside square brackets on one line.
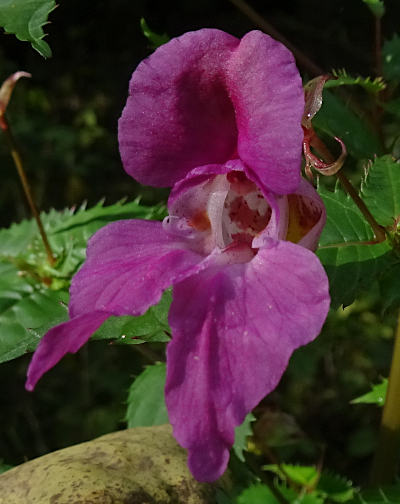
[(136, 466)]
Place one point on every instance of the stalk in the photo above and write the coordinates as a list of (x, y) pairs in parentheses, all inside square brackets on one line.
[(385, 463), (25, 185)]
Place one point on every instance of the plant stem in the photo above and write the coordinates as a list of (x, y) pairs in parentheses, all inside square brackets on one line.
[(259, 21), (378, 230), (378, 46), (26, 187), (385, 462)]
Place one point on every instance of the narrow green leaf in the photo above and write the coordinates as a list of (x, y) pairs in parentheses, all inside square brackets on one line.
[(383, 495), (342, 78), (391, 58), (155, 39), (25, 19), (381, 190), (377, 395), (146, 404), (242, 432), (337, 119)]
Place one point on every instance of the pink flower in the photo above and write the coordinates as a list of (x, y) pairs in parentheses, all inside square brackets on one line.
[(220, 120)]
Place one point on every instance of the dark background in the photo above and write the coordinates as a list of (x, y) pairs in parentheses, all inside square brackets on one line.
[(65, 121)]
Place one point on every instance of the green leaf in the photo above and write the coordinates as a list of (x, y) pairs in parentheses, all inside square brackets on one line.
[(375, 85), (25, 19), (377, 395), (301, 475), (146, 404), (383, 495), (28, 307), (155, 39), (150, 327), (351, 268), (377, 7), (257, 494), (381, 190), (23, 308), (4, 467), (389, 285), (337, 119), (242, 432), (335, 487), (391, 58)]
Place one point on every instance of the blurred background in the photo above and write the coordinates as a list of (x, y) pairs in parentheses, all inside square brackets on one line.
[(65, 121)]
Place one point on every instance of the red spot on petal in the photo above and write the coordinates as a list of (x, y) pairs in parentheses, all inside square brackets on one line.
[(200, 221)]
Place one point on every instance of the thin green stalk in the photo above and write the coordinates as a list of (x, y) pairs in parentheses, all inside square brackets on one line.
[(26, 187), (385, 463)]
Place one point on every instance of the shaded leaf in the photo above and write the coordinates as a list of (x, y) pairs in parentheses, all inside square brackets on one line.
[(381, 190), (146, 404), (390, 287), (377, 395), (26, 20), (150, 327), (335, 487), (337, 119), (391, 58)]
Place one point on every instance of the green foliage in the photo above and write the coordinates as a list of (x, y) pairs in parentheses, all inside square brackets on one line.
[(34, 295), (151, 327), (307, 485), (377, 7), (343, 79), (242, 432), (351, 268), (384, 495), (377, 395), (257, 494), (390, 286), (391, 59), (4, 467), (146, 405), (155, 39), (381, 190), (337, 119), (25, 19)]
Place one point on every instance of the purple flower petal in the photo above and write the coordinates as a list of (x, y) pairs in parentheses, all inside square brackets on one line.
[(178, 114), (129, 264), (64, 338), (234, 330), (266, 90), (203, 97)]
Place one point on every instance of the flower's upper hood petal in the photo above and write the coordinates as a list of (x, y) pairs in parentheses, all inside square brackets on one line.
[(204, 96), (232, 342), (267, 94)]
